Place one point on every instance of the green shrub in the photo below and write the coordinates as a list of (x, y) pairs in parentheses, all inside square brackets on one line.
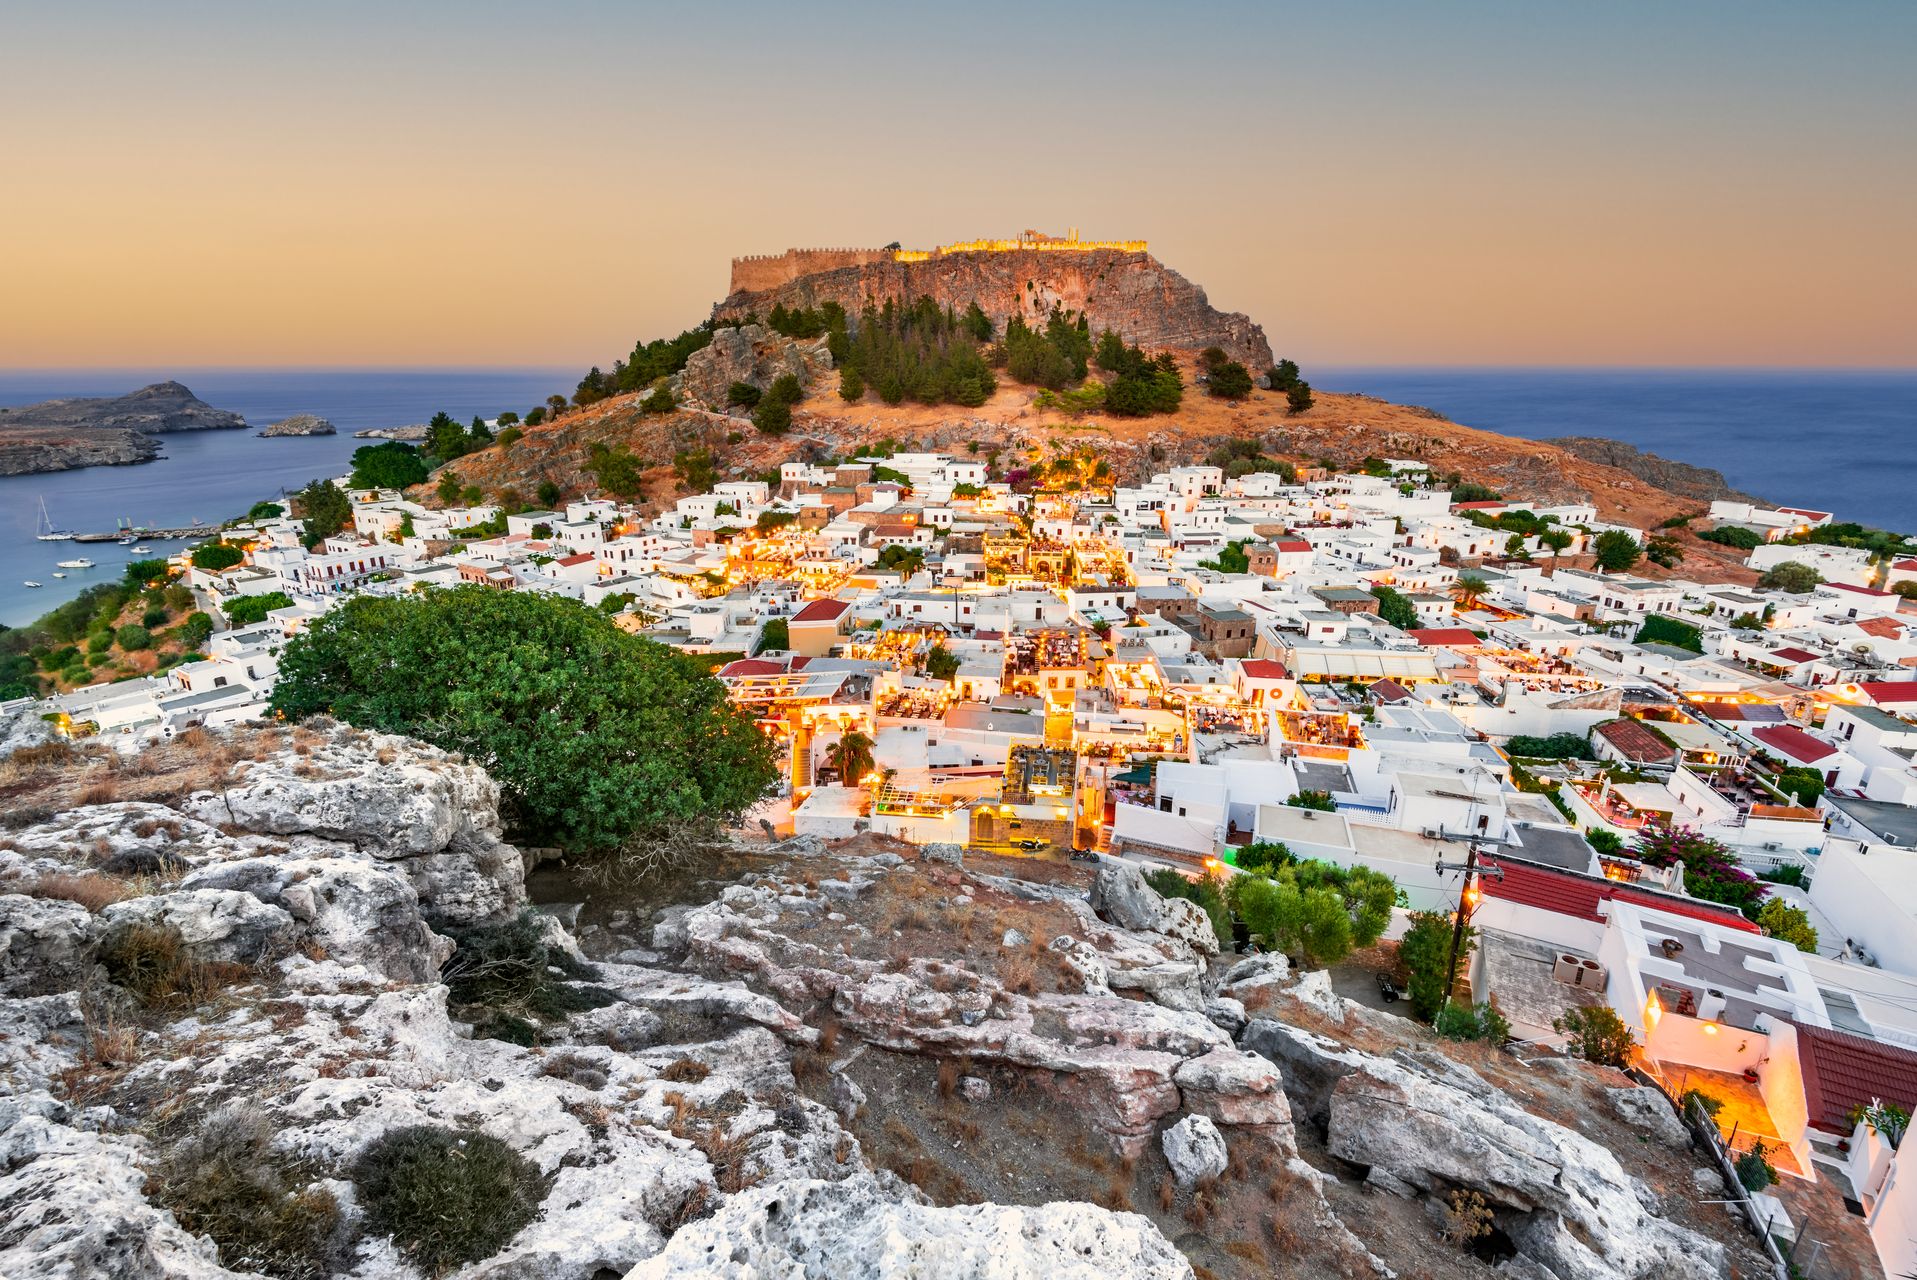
[(245, 611), (217, 555), (133, 636), (446, 1197), (1423, 953), (224, 1180), (153, 619), (1789, 873), (1731, 535), (1754, 1169), (1695, 1099), (1264, 855), (1596, 1034), (743, 394), (510, 437), (99, 642), (1473, 1022), (1558, 746)]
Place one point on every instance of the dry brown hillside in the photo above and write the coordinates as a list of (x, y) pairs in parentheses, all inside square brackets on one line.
[(1342, 429)]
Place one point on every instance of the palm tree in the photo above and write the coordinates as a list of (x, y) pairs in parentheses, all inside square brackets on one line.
[(1470, 589), (851, 755)]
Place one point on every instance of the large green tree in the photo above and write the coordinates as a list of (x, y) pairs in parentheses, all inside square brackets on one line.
[(1616, 550), (392, 464), (600, 739), (326, 510)]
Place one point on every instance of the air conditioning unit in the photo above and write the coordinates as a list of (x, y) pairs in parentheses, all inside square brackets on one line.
[(1591, 975), (1567, 969)]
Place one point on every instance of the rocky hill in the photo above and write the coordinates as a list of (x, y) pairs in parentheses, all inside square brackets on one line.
[(1132, 294), (58, 435), (1344, 429), (300, 424), (271, 1003), (1687, 480)]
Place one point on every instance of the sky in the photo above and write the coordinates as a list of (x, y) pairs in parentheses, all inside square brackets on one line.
[(481, 182)]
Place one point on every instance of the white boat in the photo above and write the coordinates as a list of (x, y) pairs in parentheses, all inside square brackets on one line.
[(32, 583), (58, 574), (46, 531), (138, 551), (81, 563), (127, 542)]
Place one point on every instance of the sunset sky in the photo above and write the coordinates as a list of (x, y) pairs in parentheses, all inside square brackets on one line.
[(482, 183)]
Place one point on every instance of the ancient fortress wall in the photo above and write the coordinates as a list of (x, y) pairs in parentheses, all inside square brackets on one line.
[(764, 271)]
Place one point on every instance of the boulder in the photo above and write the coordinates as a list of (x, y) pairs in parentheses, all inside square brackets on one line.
[(1309, 1064), (43, 945), (1649, 1110), (1563, 1198), (357, 910), (857, 1230), (1186, 921), (1121, 897), (943, 851), (1195, 1150), (1232, 1086), (752, 354), (1264, 972), (215, 924)]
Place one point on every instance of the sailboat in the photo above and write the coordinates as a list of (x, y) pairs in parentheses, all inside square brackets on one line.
[(46, 531)]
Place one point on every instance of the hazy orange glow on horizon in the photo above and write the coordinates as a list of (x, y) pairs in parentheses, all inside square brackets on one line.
[(1482, 183)]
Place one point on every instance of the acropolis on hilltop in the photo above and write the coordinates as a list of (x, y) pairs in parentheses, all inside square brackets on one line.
[(757, 272)]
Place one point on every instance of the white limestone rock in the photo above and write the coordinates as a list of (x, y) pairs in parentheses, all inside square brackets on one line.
[(1195, 1150), (43, 944), (856, 1230), (1232, 1086), (215, 924)]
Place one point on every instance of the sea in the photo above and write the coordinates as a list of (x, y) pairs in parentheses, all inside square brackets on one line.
[(1836, 440), (211, 476)]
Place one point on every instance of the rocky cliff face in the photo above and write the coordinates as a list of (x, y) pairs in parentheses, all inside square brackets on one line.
[(751, 354), (849, 1063), (58, 435), (1132, 294)]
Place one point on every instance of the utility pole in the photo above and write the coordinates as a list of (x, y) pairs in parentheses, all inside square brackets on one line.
[(1472, 867)]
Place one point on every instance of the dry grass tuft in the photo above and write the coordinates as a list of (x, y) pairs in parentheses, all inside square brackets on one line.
[(91, 890), (685, 1071)]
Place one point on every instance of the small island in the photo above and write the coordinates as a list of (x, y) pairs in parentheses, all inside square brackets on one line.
[(59, 435), (300, 424)]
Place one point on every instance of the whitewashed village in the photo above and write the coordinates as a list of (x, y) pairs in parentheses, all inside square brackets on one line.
[(1691, 803)]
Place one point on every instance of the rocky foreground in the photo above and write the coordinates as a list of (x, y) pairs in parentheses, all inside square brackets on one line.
[(238, 973), (59, 435)]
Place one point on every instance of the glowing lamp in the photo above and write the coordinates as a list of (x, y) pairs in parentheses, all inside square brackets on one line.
[(1710, 1028)]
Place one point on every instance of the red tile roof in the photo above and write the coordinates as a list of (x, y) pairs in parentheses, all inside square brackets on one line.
[(1635, 741), (1884, 628), (822, 611), (1862, 591), (1477, 506), (1793, 742), (1801, 511), (751, 667), (1292, 544), (1571, 893), (569, 561), (1263, 669), (1889, 690), (1445, 637), (1389, 691), (1842, 1071), (1794, 654)]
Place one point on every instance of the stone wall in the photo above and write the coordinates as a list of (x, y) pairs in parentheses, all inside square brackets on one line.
[(759, 272)]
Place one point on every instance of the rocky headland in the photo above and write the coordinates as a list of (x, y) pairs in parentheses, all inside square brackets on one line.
[(273, 1001), (300, 424), (59, 435), (1707, 484)]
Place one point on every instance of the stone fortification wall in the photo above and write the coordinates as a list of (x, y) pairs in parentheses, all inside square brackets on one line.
[(762, 271)]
